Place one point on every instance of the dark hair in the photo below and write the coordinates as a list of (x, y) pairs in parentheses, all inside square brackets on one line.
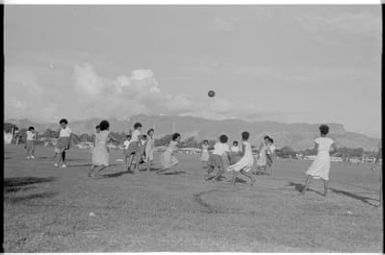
[(151, 129), (31, 128), (128, 136), (324, 129), (137, 125), (205, 141), (271, 140), (104, 125), (144, 137), (266, 137), (235, 143), (175, 136), (223, 138), (245, 135), (63, 121), (98, 126)]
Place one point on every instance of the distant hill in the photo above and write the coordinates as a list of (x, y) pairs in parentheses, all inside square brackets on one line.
[(296, 135)]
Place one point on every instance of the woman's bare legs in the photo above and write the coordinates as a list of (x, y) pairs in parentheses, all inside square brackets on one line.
[(325, 187), (307, 182)]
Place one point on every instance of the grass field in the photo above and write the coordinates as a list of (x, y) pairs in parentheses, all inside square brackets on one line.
[(48, 209)]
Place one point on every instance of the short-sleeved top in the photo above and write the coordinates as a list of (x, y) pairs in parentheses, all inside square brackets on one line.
[(65, 132), (126, 144), (135, 136), (30, 136), (235, 149), (324, 144), (221, 148)]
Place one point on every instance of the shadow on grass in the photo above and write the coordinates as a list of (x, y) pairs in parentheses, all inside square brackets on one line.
[(88, 165), (239, 180), (354, 196), (79, 165), (152, 169), (174, 173), (113, 175), (21, 183), (16, 200), (51, 157), (220, 179), (299, 187)]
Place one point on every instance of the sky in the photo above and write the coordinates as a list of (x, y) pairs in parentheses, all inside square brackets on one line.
[(286, 63)]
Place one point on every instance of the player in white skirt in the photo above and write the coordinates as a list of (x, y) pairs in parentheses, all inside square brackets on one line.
[(320, 167), (167, 159), (245, 164)]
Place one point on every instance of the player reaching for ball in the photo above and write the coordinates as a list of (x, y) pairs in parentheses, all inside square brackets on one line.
[(168, 160), (245, 164)]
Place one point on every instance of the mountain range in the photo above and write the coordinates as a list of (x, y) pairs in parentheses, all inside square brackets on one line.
[(295, 135)]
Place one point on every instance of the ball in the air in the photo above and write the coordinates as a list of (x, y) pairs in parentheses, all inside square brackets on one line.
[(211, 93)]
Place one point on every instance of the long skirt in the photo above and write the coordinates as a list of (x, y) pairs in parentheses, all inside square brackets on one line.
[(168, 160), (100, 155), (245, 164), (320, 167)]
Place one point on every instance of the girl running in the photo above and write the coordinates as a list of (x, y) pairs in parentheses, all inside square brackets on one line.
[(320, 167), (168, 159), (100, 153), (245, 164), (63, 143), (134, 147), (218, 159)]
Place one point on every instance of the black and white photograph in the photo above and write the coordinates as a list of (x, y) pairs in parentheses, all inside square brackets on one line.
[(195, 127)]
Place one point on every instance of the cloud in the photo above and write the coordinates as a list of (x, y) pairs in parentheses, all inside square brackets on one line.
[(362, 23), (91, 95), (223, 24)]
